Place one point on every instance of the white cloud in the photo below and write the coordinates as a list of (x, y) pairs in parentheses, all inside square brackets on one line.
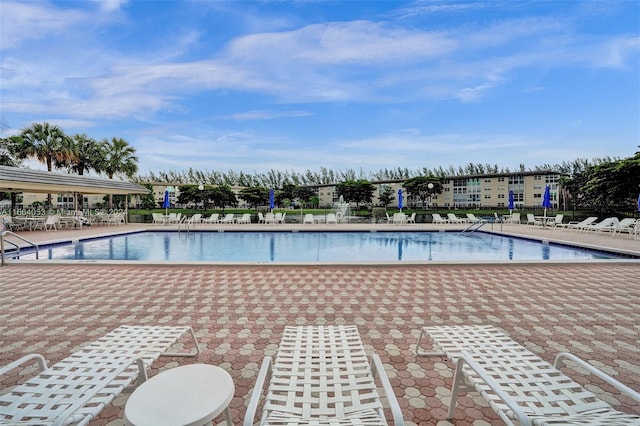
[(22, 21)]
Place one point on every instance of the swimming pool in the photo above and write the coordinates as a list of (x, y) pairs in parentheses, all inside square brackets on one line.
[(274, 247)]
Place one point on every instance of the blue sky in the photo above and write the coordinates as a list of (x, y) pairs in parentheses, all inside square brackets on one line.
[(258, 85)]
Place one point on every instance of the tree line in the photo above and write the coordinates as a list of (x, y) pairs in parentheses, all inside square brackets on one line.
[(595, 183)]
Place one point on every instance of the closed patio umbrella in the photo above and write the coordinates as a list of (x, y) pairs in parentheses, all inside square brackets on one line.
[(546, 201), (400, 199), (272, 200), (511, 203), (165, 202)]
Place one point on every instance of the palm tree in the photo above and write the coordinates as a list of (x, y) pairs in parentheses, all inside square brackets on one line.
[(85, 154), (118, 157), (44, 142)]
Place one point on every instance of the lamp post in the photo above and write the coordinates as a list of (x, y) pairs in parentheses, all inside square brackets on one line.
[(430, 186), (201, 188)]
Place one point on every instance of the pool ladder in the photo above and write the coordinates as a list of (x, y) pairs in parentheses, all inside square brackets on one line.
[(474, 227), (3, 234)]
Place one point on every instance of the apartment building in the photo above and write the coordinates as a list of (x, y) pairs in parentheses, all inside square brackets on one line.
[(471, 191)]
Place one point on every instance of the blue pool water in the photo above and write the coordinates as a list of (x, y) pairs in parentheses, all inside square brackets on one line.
[(315, 247)]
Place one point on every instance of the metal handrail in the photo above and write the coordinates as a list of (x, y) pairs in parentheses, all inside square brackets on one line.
[(2, 241)]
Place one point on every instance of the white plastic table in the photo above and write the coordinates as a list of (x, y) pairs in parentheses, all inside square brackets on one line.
[(190, 395)]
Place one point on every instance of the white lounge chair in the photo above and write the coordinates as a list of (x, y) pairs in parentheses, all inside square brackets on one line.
[(76, 389), (436, 218), (270, 218), (578, 225), (158, 218), (532, 220), (455, 219), (196, 218), (519, 386), (412, 218), (557, 221), (473, 219), (282, 217), (321, 376), (260, 217), (604, 225), (626, 225), (308, 218), (245, 218), (228, 218), (513, 218), (214, 218), (331, 218)]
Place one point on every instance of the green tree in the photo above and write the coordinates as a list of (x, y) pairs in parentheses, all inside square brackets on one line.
[(419, 187), (148, 200), (386, 196), (304, 194), (614, 182), (221, 196), (356, 191), (117, 158), (6, 156), (84, 154), (44, 142), (255, 196)]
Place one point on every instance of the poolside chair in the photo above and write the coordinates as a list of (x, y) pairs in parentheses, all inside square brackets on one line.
[(412, 218), (606, 224), (76, 389), (196, 218), (158, 218), (455, 219), (520, 386), (282, 217), (473, 219), (513, 218), (331, 218), (436, 218), (321, 376), (308, 218), (557, 221), (228, 218), (626, 225), (531, 220), (260, 217), (270, 218), (577, 225), (245, 218), (51, 223), (214, 218)]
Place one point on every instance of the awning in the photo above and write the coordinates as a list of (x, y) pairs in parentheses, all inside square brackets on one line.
[(16, 179)]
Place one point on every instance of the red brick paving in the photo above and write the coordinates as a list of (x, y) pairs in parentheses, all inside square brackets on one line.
[(238, 313)]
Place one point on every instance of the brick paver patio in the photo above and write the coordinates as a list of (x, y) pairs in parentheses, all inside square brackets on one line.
[(239, 311)]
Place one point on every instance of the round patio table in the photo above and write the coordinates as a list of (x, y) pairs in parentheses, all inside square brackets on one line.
[(190, 395)]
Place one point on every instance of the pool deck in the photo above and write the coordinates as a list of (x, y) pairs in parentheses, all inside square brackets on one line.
[(591, 309)]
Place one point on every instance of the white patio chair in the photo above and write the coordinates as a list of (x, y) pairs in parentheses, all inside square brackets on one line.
[(626, 225), (321, 376), (473, 219), (51, 223), (412, 218), (455, 219), (331, 218), (245, 218), (214, 218), (436, 218), (519, 386), (158, 218), (578, 225), (308, 218), (228, 218)]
